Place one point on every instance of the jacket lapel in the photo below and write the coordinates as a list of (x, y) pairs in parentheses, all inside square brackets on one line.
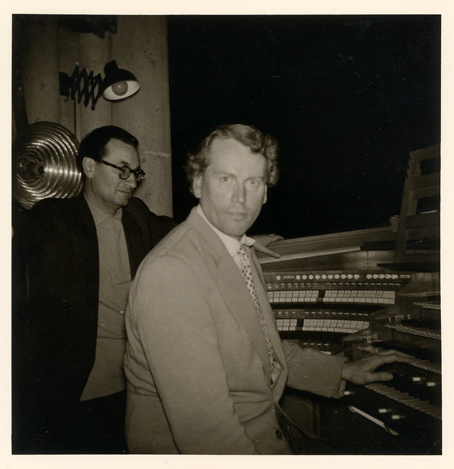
[(134, 240), (231, 286), (84, 225), (266, 308)]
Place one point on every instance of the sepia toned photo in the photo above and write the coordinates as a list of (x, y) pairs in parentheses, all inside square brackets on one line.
[(226, 234)]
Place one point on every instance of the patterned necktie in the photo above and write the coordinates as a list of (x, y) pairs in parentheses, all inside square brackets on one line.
[(247, 275)]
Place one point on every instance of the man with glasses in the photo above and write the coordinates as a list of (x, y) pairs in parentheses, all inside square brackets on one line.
[(81, 254)]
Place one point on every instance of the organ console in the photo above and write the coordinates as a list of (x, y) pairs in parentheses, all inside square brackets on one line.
[(356, 312), (361, 292)]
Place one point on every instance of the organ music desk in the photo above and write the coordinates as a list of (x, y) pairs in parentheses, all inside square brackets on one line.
[(330, 293)]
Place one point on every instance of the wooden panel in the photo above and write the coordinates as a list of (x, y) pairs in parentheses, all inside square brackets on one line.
[(412, 226), (147, 113), (428, 180), (39, 54), (423, 192), (332, 241), (424, 220), (425, 153)]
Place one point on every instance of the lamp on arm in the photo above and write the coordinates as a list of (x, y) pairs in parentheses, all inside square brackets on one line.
[(117, 84)]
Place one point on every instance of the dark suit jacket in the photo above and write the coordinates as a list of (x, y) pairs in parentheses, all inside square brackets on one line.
[(196, 360), (55, 327)]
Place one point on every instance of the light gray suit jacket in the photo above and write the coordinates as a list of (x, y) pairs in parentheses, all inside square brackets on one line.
[(196, 360)]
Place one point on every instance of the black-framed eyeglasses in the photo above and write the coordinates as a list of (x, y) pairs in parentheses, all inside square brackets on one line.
[(126, 171)]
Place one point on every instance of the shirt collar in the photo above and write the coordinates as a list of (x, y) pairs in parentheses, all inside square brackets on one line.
[(232, 244), (100, 215)]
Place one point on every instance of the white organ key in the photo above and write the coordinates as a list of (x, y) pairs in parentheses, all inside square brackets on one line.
[(406, 399)]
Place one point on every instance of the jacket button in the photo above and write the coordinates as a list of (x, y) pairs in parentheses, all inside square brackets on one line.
[(278, 434)]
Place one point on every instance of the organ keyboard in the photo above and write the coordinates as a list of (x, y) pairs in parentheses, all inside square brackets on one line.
[(416, 385), (318, 308), (339, 306), (411, 403), (405, 398)]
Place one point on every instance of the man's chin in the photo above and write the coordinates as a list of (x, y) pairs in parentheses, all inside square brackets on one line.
[(237, 232), (123, 200)]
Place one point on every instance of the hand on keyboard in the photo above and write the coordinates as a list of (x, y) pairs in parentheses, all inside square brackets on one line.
[(362, 371)]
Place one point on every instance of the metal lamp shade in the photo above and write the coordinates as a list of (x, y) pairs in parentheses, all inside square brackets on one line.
[(44, 164), (114, 75)]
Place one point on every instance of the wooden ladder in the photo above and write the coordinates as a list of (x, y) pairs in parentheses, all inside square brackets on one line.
[(418, 232)]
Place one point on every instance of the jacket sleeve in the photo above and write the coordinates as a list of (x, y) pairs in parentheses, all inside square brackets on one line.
[(159, 226), (171, 319), (32, 227), (310, 370), (313, 371)]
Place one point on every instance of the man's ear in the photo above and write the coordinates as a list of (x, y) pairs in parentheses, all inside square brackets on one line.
[(265, 198), (89, 167), (197, 186)]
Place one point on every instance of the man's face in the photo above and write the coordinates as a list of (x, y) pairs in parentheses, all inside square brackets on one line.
[(232, 188), (105, 188)]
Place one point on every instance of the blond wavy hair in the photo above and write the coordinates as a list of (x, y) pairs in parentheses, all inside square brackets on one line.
[(255, 140)]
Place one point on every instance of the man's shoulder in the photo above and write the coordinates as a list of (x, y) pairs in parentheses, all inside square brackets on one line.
[(155, 227), (55, 201), (59, 207), (183, 242), (191, 237), (137, 207), (138, 204), (182, 250), (50, 216), (179, 239)]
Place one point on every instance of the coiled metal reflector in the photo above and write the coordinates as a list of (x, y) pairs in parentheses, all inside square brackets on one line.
[(44, 164)]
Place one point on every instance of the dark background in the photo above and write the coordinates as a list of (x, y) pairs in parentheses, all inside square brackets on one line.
[(347, 97)]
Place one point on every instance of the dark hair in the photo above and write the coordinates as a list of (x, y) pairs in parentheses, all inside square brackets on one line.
[(257, 142), (94, 144)]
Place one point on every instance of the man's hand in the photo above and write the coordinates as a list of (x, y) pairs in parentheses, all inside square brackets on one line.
[(262, 241), (362, 371)]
